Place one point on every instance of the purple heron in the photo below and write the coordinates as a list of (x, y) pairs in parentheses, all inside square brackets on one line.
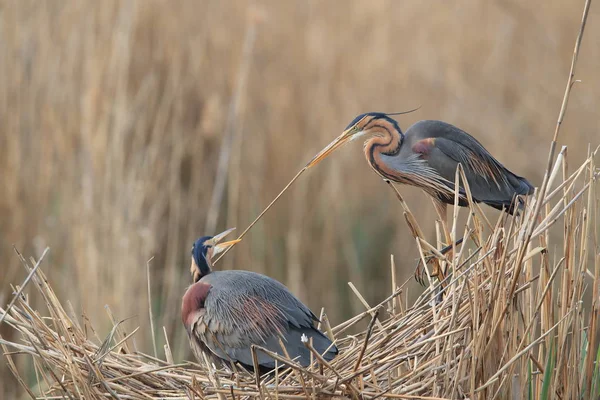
[(226, 312)]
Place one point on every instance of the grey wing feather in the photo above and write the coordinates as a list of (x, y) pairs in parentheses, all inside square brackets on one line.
[(293, 346), (489, 180), (246, 308)]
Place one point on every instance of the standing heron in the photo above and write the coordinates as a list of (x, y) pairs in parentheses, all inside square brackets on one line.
[(427, 156), (226, 312)]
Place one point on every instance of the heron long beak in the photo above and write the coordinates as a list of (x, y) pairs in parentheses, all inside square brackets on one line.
[(220, 247), (331, 147)]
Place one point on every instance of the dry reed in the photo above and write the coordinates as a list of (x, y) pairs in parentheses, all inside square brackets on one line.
[(482, 340)]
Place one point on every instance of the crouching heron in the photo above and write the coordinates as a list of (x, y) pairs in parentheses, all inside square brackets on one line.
[(226, 312), (427, 156)]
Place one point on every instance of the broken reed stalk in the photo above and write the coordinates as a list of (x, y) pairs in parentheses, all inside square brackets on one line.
[(24, 284), (150, 316), (366, 341)]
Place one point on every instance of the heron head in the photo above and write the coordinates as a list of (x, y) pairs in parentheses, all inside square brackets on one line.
[(203, 251), (364, 124)]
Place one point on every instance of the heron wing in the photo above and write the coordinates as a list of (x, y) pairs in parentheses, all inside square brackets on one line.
[(292, 340), (444, 146), (444, 155), (245, 308)]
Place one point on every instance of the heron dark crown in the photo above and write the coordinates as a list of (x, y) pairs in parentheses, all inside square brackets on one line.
[(375, 116)]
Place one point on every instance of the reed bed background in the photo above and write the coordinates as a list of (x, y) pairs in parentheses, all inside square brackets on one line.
[(115, 116)]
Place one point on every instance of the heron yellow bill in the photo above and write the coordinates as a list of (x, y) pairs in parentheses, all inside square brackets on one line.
[(220, 247), (331, 147)]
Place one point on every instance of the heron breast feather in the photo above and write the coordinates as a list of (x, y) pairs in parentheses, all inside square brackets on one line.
[(193, 302)]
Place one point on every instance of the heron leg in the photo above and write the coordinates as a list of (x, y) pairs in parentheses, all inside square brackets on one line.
[(441, 210), (437, 270)]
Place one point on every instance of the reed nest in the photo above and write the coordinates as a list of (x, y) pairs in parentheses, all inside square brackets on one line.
[(510, 322)]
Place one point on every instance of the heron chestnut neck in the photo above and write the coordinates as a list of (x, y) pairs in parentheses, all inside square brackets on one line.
[(384, 133), (203, 251)]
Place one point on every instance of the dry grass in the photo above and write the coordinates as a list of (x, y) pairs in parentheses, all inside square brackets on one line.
[(114, 116), (511, 325)]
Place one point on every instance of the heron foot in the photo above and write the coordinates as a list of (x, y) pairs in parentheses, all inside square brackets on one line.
[(421, 273)]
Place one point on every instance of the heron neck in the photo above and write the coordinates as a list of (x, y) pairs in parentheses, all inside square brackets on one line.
[(204, 267), (387, 140)]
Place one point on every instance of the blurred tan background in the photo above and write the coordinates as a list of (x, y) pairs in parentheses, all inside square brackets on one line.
[(113, 117)]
